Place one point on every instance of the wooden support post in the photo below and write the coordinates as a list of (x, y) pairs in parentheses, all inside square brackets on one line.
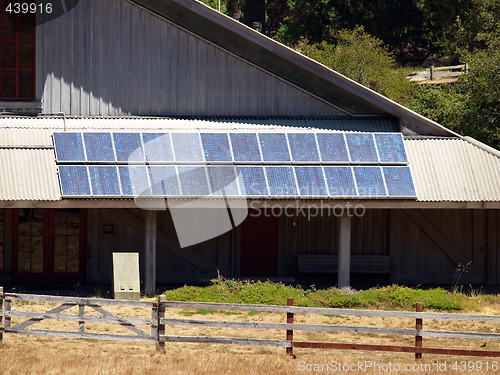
[(150, 254), (419, 326), (8, 319), (1, 315), (81, 323), (289, 332), (344, 246), (432, 73), (161, 327)]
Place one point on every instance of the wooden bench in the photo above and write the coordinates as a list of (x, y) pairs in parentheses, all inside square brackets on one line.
[(328, 263)]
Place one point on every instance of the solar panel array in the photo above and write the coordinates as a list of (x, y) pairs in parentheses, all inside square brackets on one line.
[(323, 165)]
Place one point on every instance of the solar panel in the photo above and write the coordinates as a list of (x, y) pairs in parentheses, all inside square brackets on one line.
[(128, 147), (216, 147), (245, 147), (274, 147), (303, 147), (74, 180), (157, 147), (104, 180), (311, 181), (99, 147), (69, 147), (187, 147), (391, 148), (134, 180), (223, 181), (164, 180), (361, 147), (369, 181), (332, 147), (281, 181), (340, 181), (193, 180), (254, 181), (399, 182)]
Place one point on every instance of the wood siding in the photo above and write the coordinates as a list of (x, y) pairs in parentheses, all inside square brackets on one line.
[(198, 263), (424, 245), (124, 60)]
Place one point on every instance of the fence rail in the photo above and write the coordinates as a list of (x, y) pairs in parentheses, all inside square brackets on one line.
[(438, 74), (158, 322)]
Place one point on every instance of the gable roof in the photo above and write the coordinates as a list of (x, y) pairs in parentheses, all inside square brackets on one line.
[(288, 64)]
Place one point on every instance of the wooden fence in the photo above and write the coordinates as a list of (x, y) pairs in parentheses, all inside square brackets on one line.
[(440, 74), (158, 322)]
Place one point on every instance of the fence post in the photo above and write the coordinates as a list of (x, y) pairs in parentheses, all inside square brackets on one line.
[(289, 333), (160, 346), (432, 72), (1, 315), (81, 323), (419, 326), (8, 307)]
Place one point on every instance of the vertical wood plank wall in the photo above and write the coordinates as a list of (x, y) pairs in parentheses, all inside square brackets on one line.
[(123, 60), (416, 257)]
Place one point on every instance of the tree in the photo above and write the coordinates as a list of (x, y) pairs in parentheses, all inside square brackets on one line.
[(363, 58)]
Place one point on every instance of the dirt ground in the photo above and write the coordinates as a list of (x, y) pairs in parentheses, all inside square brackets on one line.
[(22, 354)]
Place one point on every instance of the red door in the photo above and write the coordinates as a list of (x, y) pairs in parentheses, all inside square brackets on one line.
[(259, 248), (49, 245)]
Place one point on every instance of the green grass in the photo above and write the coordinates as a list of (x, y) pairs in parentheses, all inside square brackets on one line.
[(391, 297)]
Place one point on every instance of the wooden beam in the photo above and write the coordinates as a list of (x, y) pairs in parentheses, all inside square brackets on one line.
[(150, 253), (344, 266)]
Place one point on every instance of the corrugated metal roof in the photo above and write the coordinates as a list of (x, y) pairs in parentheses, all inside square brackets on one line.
[(443, 169), (28, 174), (453, 170)]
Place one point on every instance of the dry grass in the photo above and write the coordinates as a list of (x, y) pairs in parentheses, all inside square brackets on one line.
[(47, 355)]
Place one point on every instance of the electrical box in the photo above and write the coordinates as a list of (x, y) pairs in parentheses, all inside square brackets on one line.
[(126, 283)]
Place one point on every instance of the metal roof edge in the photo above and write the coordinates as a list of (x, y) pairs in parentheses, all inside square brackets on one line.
[(482, 146), (262, 50)]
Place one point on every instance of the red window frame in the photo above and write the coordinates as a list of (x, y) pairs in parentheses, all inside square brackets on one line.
[(19, 38)]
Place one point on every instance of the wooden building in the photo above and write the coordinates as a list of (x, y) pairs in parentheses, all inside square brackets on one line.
[(178, 66)]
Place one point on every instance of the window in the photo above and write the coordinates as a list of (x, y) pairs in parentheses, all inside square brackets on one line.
[(2, 238), (17, 54)]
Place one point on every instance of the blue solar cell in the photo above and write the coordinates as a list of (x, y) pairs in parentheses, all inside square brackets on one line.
[(69, 147), (187, 147), (340, 182), (164, 180), (281, 181), (274, 147), (216, 147), (254, 181), (99, 147), (74, 180), (157, 147), (245, 147), (332, 147), (134, 180), (311, 181), (370, 182), (399, 182), (193, 180), (391, 148), (104, 180), (128, 147), (361, 147), (303, 147), (223, 180)]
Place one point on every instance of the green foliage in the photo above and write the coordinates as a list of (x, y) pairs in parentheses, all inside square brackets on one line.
[(445, 104), (388, 298), (363, 58), (310, 19)]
